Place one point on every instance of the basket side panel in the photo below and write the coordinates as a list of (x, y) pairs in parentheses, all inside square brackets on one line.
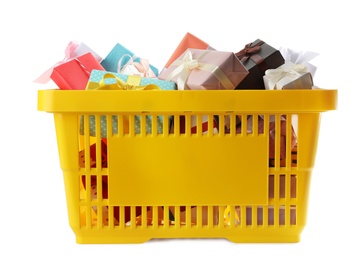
[(66, 125)]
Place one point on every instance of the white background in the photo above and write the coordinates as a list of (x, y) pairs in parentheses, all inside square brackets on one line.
[(34, 34)]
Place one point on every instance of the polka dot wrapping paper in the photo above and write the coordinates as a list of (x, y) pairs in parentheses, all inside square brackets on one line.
[(95, 77), (115, 126)]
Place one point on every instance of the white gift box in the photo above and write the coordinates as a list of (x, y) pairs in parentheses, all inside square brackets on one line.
[(288, 76)]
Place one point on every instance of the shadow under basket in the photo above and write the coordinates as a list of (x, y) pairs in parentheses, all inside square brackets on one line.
[(231, 164)]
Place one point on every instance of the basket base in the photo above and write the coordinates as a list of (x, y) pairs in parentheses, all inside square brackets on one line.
[(271, 235), (111, 240), (137, 240), (265, 239)]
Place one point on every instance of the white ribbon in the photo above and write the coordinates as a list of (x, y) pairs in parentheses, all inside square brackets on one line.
[(188, 63), (292, 72), (142, 68)]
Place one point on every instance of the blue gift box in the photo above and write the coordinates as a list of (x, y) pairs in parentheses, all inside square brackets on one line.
[(111, 61), (98, 75)]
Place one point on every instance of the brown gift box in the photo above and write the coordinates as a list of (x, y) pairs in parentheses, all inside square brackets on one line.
[(257, 57)]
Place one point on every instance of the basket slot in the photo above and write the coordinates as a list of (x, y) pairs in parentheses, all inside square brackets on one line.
[(212, 217), (199, 124), (175, 125), (293, 214), (283, 141), (144, 128), (271, 190), (188, 216), (282, 215), (248, 216), (293, 186), (260, 218), (282, 186), (270, 220)]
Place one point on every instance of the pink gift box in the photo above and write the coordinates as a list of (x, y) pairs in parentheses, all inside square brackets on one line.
[(205, 69), (189, 41), (74, 74)]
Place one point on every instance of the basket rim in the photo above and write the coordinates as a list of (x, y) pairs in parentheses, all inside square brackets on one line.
[(194, 101)]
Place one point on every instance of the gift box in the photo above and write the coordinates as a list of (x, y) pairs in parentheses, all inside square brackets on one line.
[(122, 60), (258, 57), (288, 76), (73, 50), (74, 74), (103, 80), (189, 41), (100, 79), (205, 69)]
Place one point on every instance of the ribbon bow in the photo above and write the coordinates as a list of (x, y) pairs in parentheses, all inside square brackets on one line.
[(142, 67), (293, 71), (119, 84), (248, 51), (188, 63), (69, 54)]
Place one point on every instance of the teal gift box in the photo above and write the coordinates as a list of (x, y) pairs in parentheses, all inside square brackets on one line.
[(98, 76), (119, 56)]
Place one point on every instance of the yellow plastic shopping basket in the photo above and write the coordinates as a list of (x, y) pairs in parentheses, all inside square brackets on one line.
[(134, 167)]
